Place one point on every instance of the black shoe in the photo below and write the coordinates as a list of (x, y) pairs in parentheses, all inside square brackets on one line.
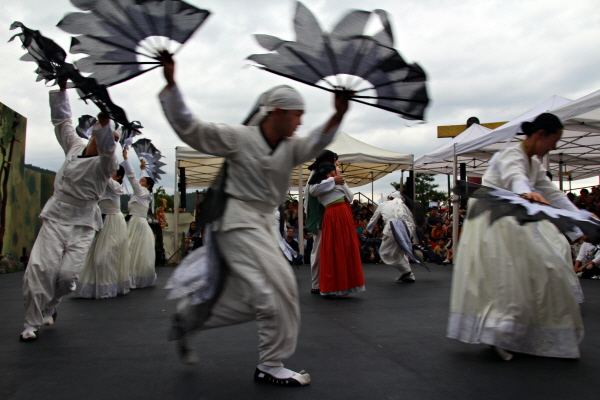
[(51, 319), (186, 354), (314, 291), (298, 379)]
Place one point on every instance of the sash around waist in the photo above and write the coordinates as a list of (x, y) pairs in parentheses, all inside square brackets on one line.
[(74, 201)]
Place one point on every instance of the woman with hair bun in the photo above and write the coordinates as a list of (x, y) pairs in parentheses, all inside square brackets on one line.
[(141, 239), (340, 271), (513, 285), (105, 272)]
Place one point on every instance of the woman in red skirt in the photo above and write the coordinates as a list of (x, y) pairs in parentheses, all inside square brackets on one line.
[(341, 267)]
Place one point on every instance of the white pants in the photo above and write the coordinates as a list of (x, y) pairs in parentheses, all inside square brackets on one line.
[(56, 258), (315, 260), (261, 286), (391, 254)]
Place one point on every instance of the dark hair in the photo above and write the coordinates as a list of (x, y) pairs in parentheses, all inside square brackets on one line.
[(120, 172), (149, 182), (546, 121), (326, 156), (321, 173)]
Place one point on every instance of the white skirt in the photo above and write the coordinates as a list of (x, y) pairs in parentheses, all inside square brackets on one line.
[(514, 287), (141, 252), (105, 272)]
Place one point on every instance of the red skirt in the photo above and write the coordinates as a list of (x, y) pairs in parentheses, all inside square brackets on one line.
[(340, 267)]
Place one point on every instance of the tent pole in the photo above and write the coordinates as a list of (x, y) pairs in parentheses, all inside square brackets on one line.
[(401, 180), (414, 190), (300, 210), (546, 161), (455, 208), (560, 172), (176, 210), (372, 195)]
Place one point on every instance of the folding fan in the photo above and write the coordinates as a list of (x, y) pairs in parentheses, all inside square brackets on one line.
[(147, 151), (347, 58), (123, 37), (501, 203), (50, 58)]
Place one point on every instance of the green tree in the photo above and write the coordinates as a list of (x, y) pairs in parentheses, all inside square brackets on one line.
[(160, 194), (425, 190)]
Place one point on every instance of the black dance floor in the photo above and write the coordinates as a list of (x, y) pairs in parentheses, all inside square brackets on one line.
[(386, 343)]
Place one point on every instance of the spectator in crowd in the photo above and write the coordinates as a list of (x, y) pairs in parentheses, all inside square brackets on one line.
[(571, 197), (291, 241), (431, 220), (439, 228), (355, 207), (193, 240), (582, 200), (587, 264), (363, 214), (442, 251)]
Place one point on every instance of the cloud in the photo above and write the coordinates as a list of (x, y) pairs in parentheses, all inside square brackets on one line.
[(493, 59)]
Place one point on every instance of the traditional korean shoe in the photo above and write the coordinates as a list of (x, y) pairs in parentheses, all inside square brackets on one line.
[(50, 319), (28, 335), (408, 277), (314, 291), (281, 376)]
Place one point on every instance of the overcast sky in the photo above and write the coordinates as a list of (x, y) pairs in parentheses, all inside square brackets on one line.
[(494, 59)]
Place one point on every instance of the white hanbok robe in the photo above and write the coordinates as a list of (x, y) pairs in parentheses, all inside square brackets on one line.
[(390, 251), (105, 272), (70, 216), (513, 285), (260, 284), (142, 253)]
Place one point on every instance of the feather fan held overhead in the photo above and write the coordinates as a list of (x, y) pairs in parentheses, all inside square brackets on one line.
[(344, 58), (146, 150), (123, 37), (50, 59)]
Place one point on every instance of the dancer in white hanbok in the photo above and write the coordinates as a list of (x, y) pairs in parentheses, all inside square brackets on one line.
[(513, 285), (390, 251), (105, 272), (70, 217), (260, 285), (142, 254)]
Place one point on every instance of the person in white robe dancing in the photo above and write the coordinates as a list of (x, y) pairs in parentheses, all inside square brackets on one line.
[(70, 217), (260, 285), (142, 254), (390, 251), (105, 272), (513, 285)]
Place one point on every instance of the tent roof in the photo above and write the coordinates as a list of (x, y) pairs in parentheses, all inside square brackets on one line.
[(578, 149), (360, 163)]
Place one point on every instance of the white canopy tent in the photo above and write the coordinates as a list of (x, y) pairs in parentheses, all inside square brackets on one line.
[(360, 163)]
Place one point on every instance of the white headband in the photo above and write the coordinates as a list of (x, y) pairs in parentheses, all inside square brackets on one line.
[(284, 97)]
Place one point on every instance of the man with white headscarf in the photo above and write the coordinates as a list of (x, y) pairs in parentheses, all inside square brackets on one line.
[(260, 285), (70, 217), (390, 251)]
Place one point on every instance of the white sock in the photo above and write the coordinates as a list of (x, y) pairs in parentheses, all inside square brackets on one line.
[(277, 372), (29, 329)]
